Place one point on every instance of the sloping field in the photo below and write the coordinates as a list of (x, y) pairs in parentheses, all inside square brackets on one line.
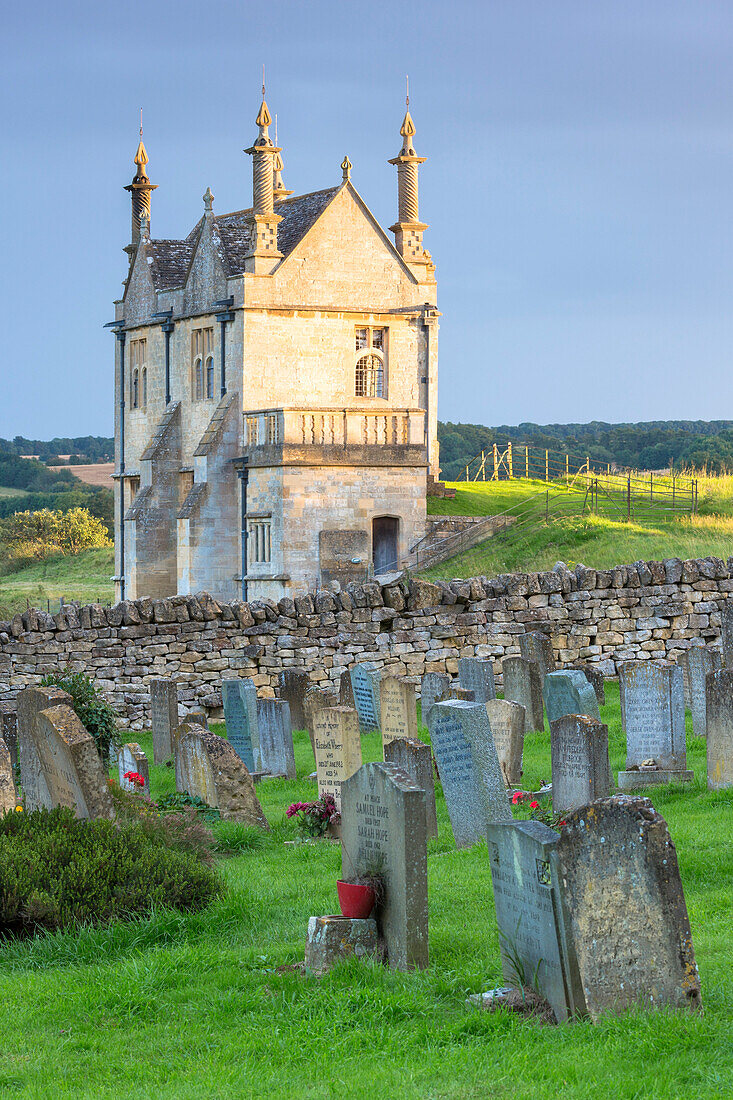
[(96, 473)]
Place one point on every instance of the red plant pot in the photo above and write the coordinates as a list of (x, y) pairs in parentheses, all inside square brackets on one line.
[(356, 901)]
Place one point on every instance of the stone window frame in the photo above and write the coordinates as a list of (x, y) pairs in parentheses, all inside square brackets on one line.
[(202, 363), (138, 374), (370, 364), (259, 540)]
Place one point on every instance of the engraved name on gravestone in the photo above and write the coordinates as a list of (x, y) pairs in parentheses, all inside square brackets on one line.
[(7, 780), (383, 832), (131, 758), (477, 676), (71, 765), (523, 685), (624, 908), (240, 718), (696, 663), (338, 748), (398, 709), (208, 768), (366, 698), (293, 685), (719, 691), (433, 687), (726, 633), (653, 709), (537, 646), (507, 728), (164, 715), (316, 699), (415, 759), (31, 701), (569, 693), (580, 765), (276, 737)]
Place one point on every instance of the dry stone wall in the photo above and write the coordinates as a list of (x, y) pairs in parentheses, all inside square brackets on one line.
[(408, 626)]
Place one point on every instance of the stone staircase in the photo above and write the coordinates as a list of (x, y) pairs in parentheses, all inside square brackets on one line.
[(451, 535)]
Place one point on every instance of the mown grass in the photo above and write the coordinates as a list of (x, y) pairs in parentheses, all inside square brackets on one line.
[(197, 1007), (84, 577)]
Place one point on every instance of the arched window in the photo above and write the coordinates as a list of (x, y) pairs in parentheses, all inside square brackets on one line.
[(369, 376), (144, 394), (138, 374), (210, 377), (198, 375), (135, 389)]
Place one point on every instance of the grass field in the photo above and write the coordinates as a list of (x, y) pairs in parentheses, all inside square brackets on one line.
[(85, 577), (197, 1008)]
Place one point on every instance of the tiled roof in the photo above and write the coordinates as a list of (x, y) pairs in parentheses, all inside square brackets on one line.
[(168, 262)]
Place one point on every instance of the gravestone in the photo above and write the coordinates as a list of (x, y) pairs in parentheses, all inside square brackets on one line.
[(507, 728), (537, 646), (293, 685), (316, 699), (653, 713), (198, 717), (696, 663), (433, 687), (624, 908), (569, 693), (164, 714), (719, 692), (240, 718), (208, 768), (595, 678), (383, 832), (31, 701), (346, 693), (533, 952), (398, 709), (9, 733), (469, 768), (365, 687), (71, 766), (464, 694), (581, 771), (415, 759), (131, 758), (477, 676), (7, 780), (726, 633), (338, 749), (523, 685), (276, 737)]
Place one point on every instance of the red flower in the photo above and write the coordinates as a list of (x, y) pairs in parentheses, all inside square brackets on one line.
[(561, 822), (533, 805)]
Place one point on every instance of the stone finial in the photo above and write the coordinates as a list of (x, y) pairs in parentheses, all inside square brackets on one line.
[(279, 190), (346, 167), (208, 200), (263, 253), (408, 229), (140, 190)]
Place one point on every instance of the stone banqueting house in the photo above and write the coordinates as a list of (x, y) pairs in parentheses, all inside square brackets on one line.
[(646, 610), (276, 389)]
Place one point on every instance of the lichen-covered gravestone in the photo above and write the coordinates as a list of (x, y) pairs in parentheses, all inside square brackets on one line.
[(696, 663), (383, 832), (71, 766), (477, 676), (726, 633), (365, 687), (469, 768), (9, 733), (537, 646), (31, 701), (164, 717), (624, 908), (507, 728), (523, 685), (277, 756), (240, 718), (293, 684), (415, 759), (653, 713), (580, 766), (338, 748), (720, 728), (569, 693), (208, 768), (346, 693), (398, 709), (7, 780), (317, 699), (595, 678), (131, 758)]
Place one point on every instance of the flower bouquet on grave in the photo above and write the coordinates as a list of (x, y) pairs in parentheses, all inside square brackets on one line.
[(315, 819), (526, 806)]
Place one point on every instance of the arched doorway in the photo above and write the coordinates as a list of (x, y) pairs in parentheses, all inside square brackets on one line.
[(385, 532)]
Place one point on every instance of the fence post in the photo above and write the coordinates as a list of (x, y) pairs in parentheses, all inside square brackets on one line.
[(567, 467), (547, 465), (509, 460), (466, 473), (496, 463), (628, 499), (673, 491), (526, 462), (547, 506), (483, 466), (651, 485)]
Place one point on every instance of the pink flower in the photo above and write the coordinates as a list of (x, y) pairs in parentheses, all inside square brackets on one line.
[(533, 805)]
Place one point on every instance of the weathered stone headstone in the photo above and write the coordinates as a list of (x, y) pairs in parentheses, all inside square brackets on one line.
[(696, 663), (415, 759), (7, 780), (653, 713), (293, 684), (726, 633), (31, 701), (9, 734), (332, 939), (365, 687), (338, 748), (346, 692), (507, 728), (131, 758), (581, 772), (383, 832), (316, 699), (208, 768), (71, 765), (569, 693), (164, 713), (469, 768), (398, 709), (719, 692), (433, 687), (198, 717), (465, 694), (595, 678), (477, 675), (537, 646), (240, 717), (276, 737), (624, 908), (523, 685)]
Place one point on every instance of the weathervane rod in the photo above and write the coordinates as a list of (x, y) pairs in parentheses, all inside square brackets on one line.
[(141, 122), (407, 90), (263, 80)]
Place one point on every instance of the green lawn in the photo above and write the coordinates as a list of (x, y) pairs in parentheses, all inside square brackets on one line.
[(196, 1007), (84, 577)]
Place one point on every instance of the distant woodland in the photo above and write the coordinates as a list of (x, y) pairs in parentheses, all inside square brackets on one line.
[(38, 487)]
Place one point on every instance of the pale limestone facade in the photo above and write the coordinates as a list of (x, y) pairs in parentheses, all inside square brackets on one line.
[(331, 460)]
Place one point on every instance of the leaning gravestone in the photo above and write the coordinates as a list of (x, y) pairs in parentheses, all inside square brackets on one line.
[(537, 646), (398, 709), (293, 685), (569, 693), (720, 728), (415, 759), (507, 728), (434, 686), (383, 832), (653, 713), (131, 758), (477, 676), (7, 780), (726, 633), (31, 701), (581, 772), (338, 749), (240, 718), (208, 768), (276, 737), (469, 768), (164, 714), (71, 764), (624, 908), (523, 685), (365, 687), (696, 663), (595, 678)]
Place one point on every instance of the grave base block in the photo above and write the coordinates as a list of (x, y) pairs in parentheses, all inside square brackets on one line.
[(630, 781), (331, 939)]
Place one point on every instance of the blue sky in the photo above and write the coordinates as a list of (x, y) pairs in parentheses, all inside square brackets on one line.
[(578, 183)]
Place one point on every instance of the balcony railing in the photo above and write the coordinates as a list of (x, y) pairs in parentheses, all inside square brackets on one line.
[(333, 427)]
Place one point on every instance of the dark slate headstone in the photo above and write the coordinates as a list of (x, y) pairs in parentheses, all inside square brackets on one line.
[(624, 908), (383, 831), (240, 718), (9, 734), (696, 663), (523, 684), (569, 693), (537, 646), (653, 713), (293, 685), (276, 738), (477, 676), (365, 686), (719, 692), (415, 759), (507, 728), (164, 717), (726, 633), (346, 693), (434, 686), (595, 678), (581, 771), (468, 767)]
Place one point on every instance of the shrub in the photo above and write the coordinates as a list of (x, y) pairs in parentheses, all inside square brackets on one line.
[(94, 712), (181, 800), (36, 536), (57, 872), (183, 830)]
